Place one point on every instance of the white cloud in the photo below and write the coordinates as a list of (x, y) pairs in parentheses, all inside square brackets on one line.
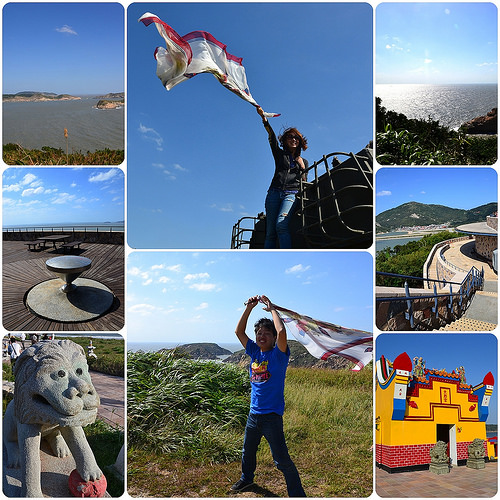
[(384, 193), (31, 191), (164, 279), (103, 176), (67, 29), (63, 198), (142, 309), (157, 266), (150, 134), (199, 276), (299, 268), (203, 305), (427, 61), (203, 287)]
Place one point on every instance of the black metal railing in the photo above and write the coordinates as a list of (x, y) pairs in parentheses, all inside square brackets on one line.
[(473, 281)]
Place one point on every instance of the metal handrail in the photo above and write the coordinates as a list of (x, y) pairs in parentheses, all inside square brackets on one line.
[(77, 227), (474, 280)]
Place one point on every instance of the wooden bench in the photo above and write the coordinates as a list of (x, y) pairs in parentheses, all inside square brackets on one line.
[(34, 244), (70, 245)]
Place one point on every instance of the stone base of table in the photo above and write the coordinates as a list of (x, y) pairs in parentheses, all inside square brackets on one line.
[(89, 300)]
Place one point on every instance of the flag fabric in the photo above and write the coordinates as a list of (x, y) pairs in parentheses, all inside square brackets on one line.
[(197, 52), (323, 340)]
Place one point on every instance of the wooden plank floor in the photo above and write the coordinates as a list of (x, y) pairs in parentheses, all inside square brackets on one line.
[(23, 269)]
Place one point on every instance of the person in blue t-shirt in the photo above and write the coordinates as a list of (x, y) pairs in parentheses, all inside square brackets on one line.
[(269, 360)]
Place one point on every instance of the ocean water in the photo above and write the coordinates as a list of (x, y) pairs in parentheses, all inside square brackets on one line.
[(78, 226), (452, 105), (392, 242), (37, 124)]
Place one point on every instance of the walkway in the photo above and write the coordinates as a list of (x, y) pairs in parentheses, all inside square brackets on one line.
[(111, 390), (460, 482)]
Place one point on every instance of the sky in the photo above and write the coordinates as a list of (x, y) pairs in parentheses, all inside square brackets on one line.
[(463, 188), (57, 195), (190, 297), (436, 43), (198, 155), (70, 48), (476, 352)]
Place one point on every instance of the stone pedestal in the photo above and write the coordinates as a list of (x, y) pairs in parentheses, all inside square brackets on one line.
[(442, 468), (475, 463)]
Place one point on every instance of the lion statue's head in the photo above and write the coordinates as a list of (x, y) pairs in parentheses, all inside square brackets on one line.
[(53, 385)]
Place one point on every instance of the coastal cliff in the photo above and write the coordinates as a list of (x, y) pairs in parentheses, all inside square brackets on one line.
[(487, 124)]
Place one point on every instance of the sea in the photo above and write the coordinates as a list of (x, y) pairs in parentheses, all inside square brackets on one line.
[(118, 226), (156, 346), (452, 105), (37, 124), (380, 244)]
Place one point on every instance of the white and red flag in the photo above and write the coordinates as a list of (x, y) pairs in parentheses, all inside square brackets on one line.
[(194, 53), (323, 340)]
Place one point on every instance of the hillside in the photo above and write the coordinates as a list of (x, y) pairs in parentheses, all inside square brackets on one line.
[(299, 358), (420, 214), (203, 350), (32, 96)]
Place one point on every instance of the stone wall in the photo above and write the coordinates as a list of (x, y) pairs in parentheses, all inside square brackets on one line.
[(108, 237), (391, 316), (492, 221), (485, 246)]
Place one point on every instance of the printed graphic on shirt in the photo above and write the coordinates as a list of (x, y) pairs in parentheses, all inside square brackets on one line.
[(259, 372)]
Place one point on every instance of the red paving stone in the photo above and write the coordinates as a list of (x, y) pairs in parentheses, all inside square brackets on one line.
[(461, 482)]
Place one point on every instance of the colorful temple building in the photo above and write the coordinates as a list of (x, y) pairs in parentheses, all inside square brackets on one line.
[(416, 407)]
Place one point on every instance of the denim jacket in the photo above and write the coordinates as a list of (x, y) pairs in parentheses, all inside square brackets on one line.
[(287, 171)]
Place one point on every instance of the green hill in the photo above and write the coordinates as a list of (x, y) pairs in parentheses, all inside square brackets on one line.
[(420, 214)]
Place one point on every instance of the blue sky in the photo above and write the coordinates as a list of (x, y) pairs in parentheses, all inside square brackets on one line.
[(476, 352), (56, 195), (198, 156), (198, 296), (463, 188), (436, 43), (74, 48)]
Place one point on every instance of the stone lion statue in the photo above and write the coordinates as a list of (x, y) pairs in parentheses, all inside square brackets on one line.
[(54, 398)]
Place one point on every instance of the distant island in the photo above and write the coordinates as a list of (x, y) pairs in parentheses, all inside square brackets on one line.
[(32, 96), (113, 100), (299, 356), (413, 216)]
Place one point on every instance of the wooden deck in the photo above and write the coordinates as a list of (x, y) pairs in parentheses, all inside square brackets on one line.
[(23, 269)]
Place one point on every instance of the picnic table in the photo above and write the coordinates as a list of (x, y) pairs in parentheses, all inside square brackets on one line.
[(54, 238)]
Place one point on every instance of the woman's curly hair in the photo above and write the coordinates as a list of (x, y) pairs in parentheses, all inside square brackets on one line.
[(294, 131)]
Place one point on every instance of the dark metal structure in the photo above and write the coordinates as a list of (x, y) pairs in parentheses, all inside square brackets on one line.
[(335, 207)]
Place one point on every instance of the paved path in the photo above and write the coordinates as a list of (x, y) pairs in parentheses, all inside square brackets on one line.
[(111, 390), (460, 482)]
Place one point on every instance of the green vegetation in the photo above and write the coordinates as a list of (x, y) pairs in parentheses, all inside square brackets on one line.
[(106, 443), (184, 407), (404, 141), (408, 259), (110, 354), (328, 425), (14, 154)]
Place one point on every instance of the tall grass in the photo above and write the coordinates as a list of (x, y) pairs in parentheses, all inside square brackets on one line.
[(327, 423), (184, 407), (14, 154)]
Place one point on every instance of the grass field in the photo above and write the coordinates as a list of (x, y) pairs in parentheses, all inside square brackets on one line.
[(328, 426)]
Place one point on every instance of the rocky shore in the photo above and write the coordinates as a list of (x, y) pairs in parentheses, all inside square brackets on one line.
[(487, 124)]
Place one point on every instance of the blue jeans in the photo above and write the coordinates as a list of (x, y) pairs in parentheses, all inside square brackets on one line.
[(279, 205), (270, 426)]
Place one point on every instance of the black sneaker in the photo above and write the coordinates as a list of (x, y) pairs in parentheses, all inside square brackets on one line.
[(241, 485)]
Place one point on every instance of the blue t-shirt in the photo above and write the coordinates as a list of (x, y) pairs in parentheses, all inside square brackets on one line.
[(267, 377)]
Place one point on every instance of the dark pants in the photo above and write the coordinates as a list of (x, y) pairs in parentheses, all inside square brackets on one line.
[(271, 427)]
